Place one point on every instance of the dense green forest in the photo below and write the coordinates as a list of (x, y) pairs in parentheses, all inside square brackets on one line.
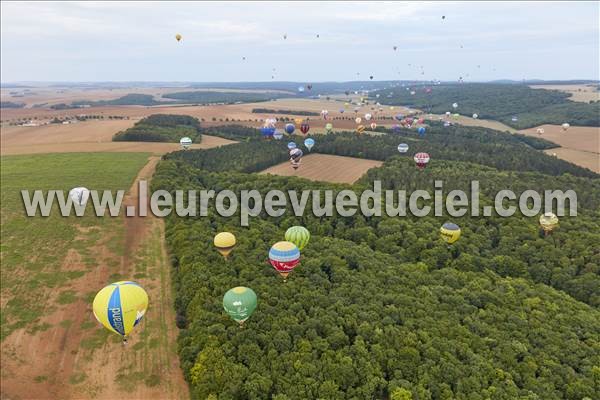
[(161, 128), (11, 104), (290, 112), (131, 99), (381, 307), (500, 102), (207, 97)]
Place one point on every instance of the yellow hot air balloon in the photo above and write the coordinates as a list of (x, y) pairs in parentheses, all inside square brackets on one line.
[(178, 37), (548, 222), (360, 129), (298, 121), (450, 232), (120, 306), (224, 242)]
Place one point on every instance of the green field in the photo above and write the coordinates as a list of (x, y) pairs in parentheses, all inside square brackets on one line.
[(34, 249)]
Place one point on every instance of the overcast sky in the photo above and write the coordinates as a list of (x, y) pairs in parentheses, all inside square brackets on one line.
[(121, 41)]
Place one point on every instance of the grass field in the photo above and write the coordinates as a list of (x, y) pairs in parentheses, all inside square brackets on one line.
[(52, 346), (327, 168)]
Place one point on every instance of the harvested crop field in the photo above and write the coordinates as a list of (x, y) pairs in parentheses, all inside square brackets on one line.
[(90, 136), (582, 93), (327, 168), (578, 144)]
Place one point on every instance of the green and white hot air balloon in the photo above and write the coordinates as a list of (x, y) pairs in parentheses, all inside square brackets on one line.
[(240, 303), (298, 235)]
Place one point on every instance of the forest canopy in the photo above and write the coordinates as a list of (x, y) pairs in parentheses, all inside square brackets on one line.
[(161, 128)]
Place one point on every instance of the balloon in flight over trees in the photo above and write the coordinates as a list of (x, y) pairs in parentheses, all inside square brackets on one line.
[(475, 116), (290, 128), (291, 145), (224, 242), (421, 130), (402, 147), (298, 235), (304, 128), (120, 306), (178, 37), (548, 222), (360, 129), (185, 143), (240, 302), (373, 125), (284, 257), (565, 126), (421, 159), (450, 232), (329, 126), (309, 143), (278, 134)]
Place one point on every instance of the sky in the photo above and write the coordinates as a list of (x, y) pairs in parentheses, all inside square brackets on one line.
[(135, 41)]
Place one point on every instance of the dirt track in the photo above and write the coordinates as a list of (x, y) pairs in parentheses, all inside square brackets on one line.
[(327, 168), (58, 354)]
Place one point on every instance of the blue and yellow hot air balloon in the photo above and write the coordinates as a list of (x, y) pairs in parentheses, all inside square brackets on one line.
[(120, 306)]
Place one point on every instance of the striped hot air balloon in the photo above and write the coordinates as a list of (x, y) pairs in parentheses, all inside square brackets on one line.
[(284, 257), (421, 159), (185, 143), (298, 235)]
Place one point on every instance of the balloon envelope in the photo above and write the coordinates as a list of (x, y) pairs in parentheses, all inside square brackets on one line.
[(79, 195), (185, 143), (421, 159), (548, 221), (224, 242), (298, 235), (120, 306), (291, 145), (290, 128), (284, 257), (421, 131), (309, 143), (450, 232), (240, 302), (328, 127), (402, 147)]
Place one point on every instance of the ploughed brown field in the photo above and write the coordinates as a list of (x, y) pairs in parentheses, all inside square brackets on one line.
[(327, 168), (579, 144)]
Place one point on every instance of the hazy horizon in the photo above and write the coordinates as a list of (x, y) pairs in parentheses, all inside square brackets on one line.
[(79, 42)]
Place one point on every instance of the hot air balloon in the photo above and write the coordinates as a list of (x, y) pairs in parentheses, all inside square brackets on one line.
[(120, 306), (329, 127), (304, 128), (448, 113), (373, 125), (421, 159), (456, 115), (284, 36), (267, 131), (309, 143), (284, 257), (421, 131), (278, 135), (301, 89), (239, 303), (178, 37), (79, 195), (540, 131), (454, 105), (224, 242), (514, 119), (371, 77), (475, 116), (450, 232), (548, 222), (565, 126), (296, 154), (185, 143), (399, 117), (290, 128), (358, 120), (341, 110), (291, 145), (402, 147), (360, 129), (298, 121), (395, 48), (298, 235), (324, 114), (309, 87), (368, 116)]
